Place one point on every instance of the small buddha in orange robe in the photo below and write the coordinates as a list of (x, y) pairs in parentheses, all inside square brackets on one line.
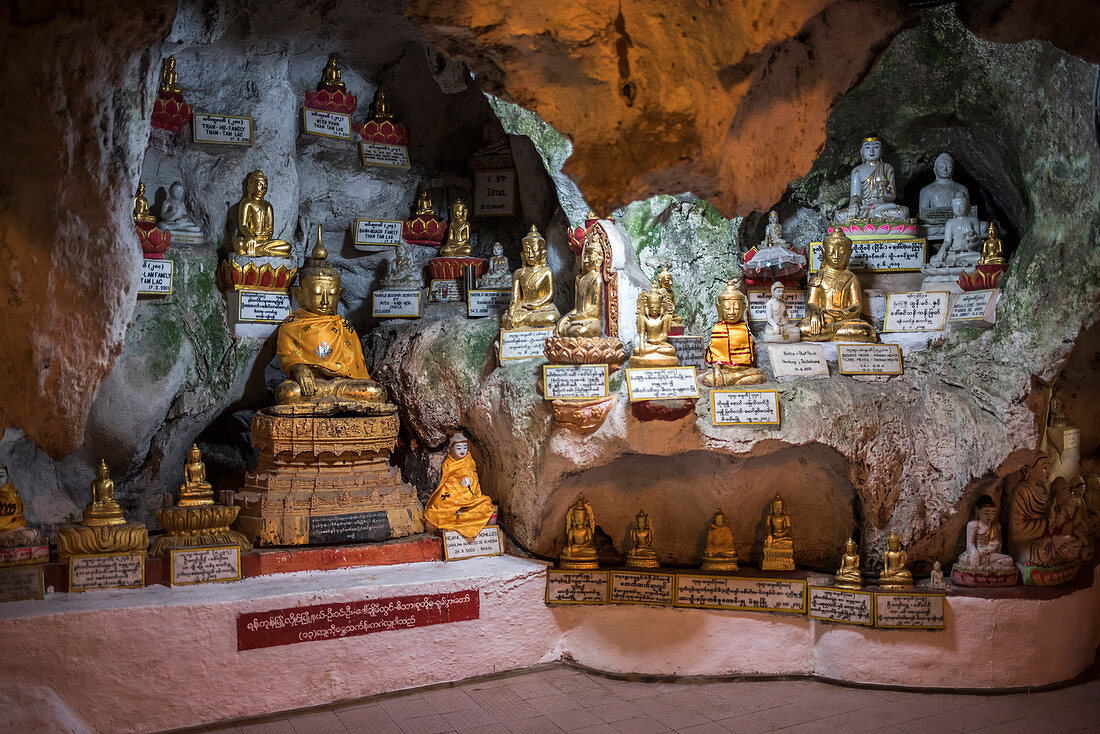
[(730, 353), (457, 503)]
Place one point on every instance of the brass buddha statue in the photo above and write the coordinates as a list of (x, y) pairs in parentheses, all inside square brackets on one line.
[(719, 553), (141, 206), (169, 80), (848, 576), (664, 283), (104, 528), (895, 565), (256, 222), (579, 553), (653, 349), (13, 518), (320, 351), (457, 243), (641, 553), (586, 318), (532, 304), (778, 542), (330, 77), (834, 304), (992, 249), (103, 509), (195, 490), (730, 352)]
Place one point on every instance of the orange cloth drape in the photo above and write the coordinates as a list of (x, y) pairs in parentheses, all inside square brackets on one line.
[(455, 507), (730, 344), (324, 341)]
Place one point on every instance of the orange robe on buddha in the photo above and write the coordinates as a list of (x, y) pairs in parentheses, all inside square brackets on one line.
[(321, 341), (730, 344), (456, 507)]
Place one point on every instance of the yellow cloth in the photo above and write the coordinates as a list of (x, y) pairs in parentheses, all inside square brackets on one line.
[(455, 507), (14, 514), (321, 341), (730, 344)]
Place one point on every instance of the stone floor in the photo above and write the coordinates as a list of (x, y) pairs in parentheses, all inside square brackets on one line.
[(559, 698)]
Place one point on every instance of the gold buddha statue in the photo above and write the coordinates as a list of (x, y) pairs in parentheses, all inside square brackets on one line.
[(719, 553), (13, 517), (834, 304), (195, 490), (457, 243), (992, 250), (848, 576), (730, 352), (778, 543), (653, 349), (103, 509), (380, 107), (320, 351), (256, 222), (141, 206), (330, 77), (423, 205), (586, 318), (895, 572), (532, 304), (169, 80), (103, 528), (641, 553), (579, 553), (457, 503), (664, 283)]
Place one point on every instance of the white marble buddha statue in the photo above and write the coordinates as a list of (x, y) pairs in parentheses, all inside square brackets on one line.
[(173, 216), (873, 189), (934, 206), (962, 238)]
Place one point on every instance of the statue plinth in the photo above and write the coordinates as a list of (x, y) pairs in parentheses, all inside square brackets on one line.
[(582, 414), (984, 576), (983, 277), (778, 559), (170, 112), (331, 98), (585, 350), (154, 241), (131, 537), (451, 268), (323, 479), (195, 526), (1035, 575), (424, 229), (722, 565)]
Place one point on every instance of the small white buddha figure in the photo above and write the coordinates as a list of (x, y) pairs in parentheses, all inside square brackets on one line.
[(498, 276), (173, 216), (403, 273), (962, 238), (778, 328)]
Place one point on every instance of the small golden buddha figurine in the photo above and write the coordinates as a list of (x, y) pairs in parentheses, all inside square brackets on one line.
[(586, 318), (664, 283), (579, 553), (423, 204), (380, 107), (719, 553), (195, 490), (103, 528), (103, 509), (653, 349), (320, 351), (457, 243), (141, 206), (641, 553), (778, 543), (13, 518), (169, 80), (895, 571), (457, 503), (848, 576), (330, 77), (992, 250), (256, 222), (532, 304), (834, 305), (730, 352)]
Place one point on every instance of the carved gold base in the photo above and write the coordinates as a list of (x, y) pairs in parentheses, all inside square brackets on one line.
[(582, 415), (192, 527), (718, 564), (895, 584), (578, 564), (585, 350), (645, 561), (133, 537), (848, 583), (777, 559)]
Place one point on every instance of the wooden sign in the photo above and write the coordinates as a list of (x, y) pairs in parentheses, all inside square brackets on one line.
[(574, 382), (326, 124), (482, 302), (156, 277), (395, 304), (377, 235), (910, 611), (975, 306), (444, 290), (869, 359), (384, 155), (904, 255), (744, 407), (189, 566), (577, 587), (916, 311), (843, 606), (338, 620), (107, 571), (18, 583), (266, 307), (495, 193), (758, 305), (632, 587), (221, 129), (689, 350), (523, 343), (486, 543), (661, 383), (798, 360), (753, 594)]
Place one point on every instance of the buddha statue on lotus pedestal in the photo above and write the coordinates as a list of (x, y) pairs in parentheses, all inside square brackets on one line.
[(848, 576), (834, 303), (456, 254), (778, 543), (719, 551), (873, 189), (579, 553), (991, 264), (170, 112), (154, 240), (895, 566), (425, 227), (331, 94), (1045, 553), (641, 553), (730, 352), (256, 222), (532, 304), (104, 528), (14, 531), (381, 127), (457, 503), (982, 563)]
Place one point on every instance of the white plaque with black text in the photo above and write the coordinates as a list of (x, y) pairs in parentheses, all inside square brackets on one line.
[(481, 302), (485, 543), (326, 124), (910, 611), (744, 407), (376, 235), (639, 587), (869, 359), (973, 306), (384, 155), (395, 304), (577, 587), (758, 303), (690, 350), (495, 193), (188, 566), (803, 359), (265, 307), (221, 129), (916, 311), (523, 343), (156, 277), (661, 383), (106, 571), (843, 606), (903, 255), (574, 382), (18, 583)]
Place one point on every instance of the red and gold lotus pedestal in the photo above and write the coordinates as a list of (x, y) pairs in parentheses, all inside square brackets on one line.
[(383, 130), (256, 293), (154, 241), (577, 236), (984, 277), (424, 229), (332, 99), (447, 274), (170, 112)]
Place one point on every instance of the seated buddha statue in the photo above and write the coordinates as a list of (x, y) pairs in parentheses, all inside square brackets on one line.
[(1035, 537), (778, 542), (641, 553), (499, 275), (895, 565), (992, 249), (719, 552), (934, 204), (103, 510), (256, 222), (961, 237), (13, 518), (532, 304), (457, 503), (320, 351), (778, 326), (586, 318), (834, 304), (457, 243), (873, 188), (653, 348), (730, 351), (195, 490), (330, 77), (579, 553), (141, 206), (169, 79), (848, 576), (664, 283)]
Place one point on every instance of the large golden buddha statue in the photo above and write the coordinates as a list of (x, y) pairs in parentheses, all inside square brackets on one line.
[(586, 318), (719, 552), (834, 304), (532, 288), (13, 519), (103, 528), (457, 243), (730, 353), (256, 222), (654, 323), (320, 351)]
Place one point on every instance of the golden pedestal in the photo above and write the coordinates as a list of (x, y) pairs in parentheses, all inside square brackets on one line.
[(195, 526), (324, 480), (131, 537), (778, 559), (715, 565)]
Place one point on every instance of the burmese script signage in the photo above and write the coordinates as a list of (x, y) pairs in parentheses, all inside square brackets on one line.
[(844, 606), (566, 382), (975, 306), (495, 193), (444, 290), (481, 302), (628, 587), (744, 407), (869, 359), (485, 543), (317, 622), (523, 343), (404, 304), (156, 277), (107, 571), (188, 566), (758, 305), (326, 124), (221, 129), (268, 307), (916, 311), (798, 360), (373, 235), (21, 582), (910, 611), (384, 155), (577, 587), (727, 592), (661, 383), (879, 255), (689, 350)]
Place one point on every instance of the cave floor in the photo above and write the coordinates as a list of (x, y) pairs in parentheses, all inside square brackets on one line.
[(561, 698)]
